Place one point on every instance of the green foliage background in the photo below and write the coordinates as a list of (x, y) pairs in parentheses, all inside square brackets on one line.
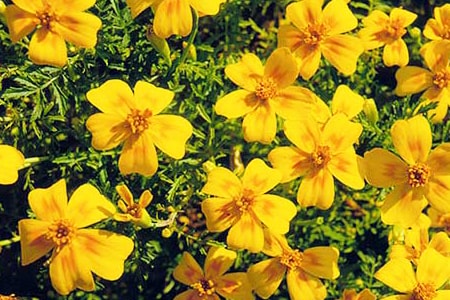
[(43, 112)]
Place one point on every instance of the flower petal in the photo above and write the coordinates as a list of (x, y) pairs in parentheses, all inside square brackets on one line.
[(170, 134), (321, 262), (206, 8), (234, 286), (441, 243), (302, 286), (340, 22), (236, 104), (317, 190), (308, 60), (290, 161), (437, 192), (293, 102), (266, 276), (383, 168), (260, 125), (188, 271), (87, 206), (11, 160), (145, 199), (107, 130), (49, 204), (33, 243), (342, 51), (218, 261), (79, 28), (138, 6), (259, 178), (433, 267), (398, 274), (125, 194), (412, 80), (281, 66), (412, 139), (149, 96), (20, 22), (305, 12), (47, 48), (402, 17), (72, 5), (274, 211), (344, 166), (305, 134), (30, 6), (172, 17), (396, 54), (220, 213), (247, 72), (139, 155), (193, 295), (223, 183), (439, 160), (247, 233), (340, 134), (347, 102)]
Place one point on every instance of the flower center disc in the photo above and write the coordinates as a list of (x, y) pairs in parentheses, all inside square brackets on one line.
[(441, 79), (46, 17), (244, 202), (418, 175), (292, 259), (134, 210), (313, 34), (60, 232), (321, 157), (266, 89), (204, 287), (424, 291), (138, 120)]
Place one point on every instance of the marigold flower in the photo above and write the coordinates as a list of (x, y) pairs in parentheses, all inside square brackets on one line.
[(318, 154), (243, 205), (11, 160), (266, 91), (383, 30), (314, 33), (212, 281), (435, 81), (174, 16), (134, 120), (419, 175), (365, 294), (54, 22), (438, 219), (131, 211), (302, 269), (433, 270), (76, 251), (437, 29)]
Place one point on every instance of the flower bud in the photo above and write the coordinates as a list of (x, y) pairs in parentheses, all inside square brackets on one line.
[(159, 44), (370, 110)]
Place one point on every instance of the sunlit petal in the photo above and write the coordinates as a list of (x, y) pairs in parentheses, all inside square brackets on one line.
[(441, 243), (260, 125), (234, 286), (218, 261), (173, 17), (79, 28), (138, 156), (260, 178), (30, 6), (340, 134), (293, 102), (11, 160), (302, 286), (236, 104), (344, 166), (247, 233), (222, 183), (220, 213), (343, 51), (341, 22), (47, 48), (439, 160), (383, 168), (33, 243), (321, 262), (308, 60), (151, 97), (49, 204), (188, 271), (411, 80), (266, 276), (305, 12), (305, 133), (138, 6), (347, 102), (107, 130), (317, 190), (396, 54), (210, 7), (247, 72), (433, 267), (290, 161), (193, 295), (20, 22), (437, 192), (281, 66), (398, 274), (274, 211)]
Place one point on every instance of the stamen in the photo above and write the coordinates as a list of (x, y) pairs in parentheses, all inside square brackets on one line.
[(134, 210), (244, 201), (418, 175), (204, 287), (442, 79), (266, 89), (313, 34), (138, 121), (47, 17), (424, 291), (320, 157), (60, 232), (292, 259)]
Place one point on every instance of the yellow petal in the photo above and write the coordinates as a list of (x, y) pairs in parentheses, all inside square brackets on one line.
[(188, 270), (220, 213), (11, 160), (234, 286), (281, 66), (107, 130), (439, 159), (247, 72), (274, 211), (260, 178), (441, 243), (149, 96), (138, 155), (170, 134), (339, 17), (398, 274), (193, 295), (236, 104), (138, 6), (321, 262), (412, 139), (402, 17), (402, 206), (113, 97), (20, 22), (305, 12), (411, 80), (342, 51), (69, 270), (33, 243), (223, 183), (432, 29), (87, 206), (274, 243), (218, 261), (79, 28), (125, 194), (344, 167), (206, 8), (47, 48), (384, 169), (396, 54), (290, 161), (317, 190), (30, 6), (173, 17), (433, 267), (266, 276), (308, 60), (437, 192), (304, 134), (347, 102), (321, 112), (402, 251), (293, 102), (72, 5), (260, 125), (145, 199), (104, 251), (340, 134), (247, 233), (302, 286), (372, 37), (50, 203)]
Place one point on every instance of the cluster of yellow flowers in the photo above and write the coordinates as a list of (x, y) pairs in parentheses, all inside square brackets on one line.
[(322, 150)]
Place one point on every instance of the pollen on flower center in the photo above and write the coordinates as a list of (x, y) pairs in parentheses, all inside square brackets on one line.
[(244, 201), (418, 175), (204, 287), (320, 157), (441, 79), (60, 232), (47, 17), (424, 291), (313, 34), (134, 210), (392, 32), (292, 259), (445, 32), (266, 89), (138, 120)]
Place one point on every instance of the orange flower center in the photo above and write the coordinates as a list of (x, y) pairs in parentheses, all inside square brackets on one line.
[(424, 291), (60, 232), (392, 32), (204, 287), (134, 210), (292, 259), (445, 34), (313, 34), (444, 221), (320, 157), (138, 120), (418, 175), (266, 89), (441, 79), (244, 202), (47, 17)]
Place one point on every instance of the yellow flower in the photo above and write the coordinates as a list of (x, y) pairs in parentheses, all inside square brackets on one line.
[(209, 283), (435, 81), (174, 16), (243, 205), (11, 160), (134, 120), (419, 175), (383, 30), (438, 219), (134, 212), (266, 91), (438, 28), (432, 272), (318, 154), (302, 269), (363, 295), (76, 251), (315, 32), (54, 22)]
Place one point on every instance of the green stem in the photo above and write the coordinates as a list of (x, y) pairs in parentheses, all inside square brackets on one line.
[(29, 161), (5, 119), (12, 240)]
